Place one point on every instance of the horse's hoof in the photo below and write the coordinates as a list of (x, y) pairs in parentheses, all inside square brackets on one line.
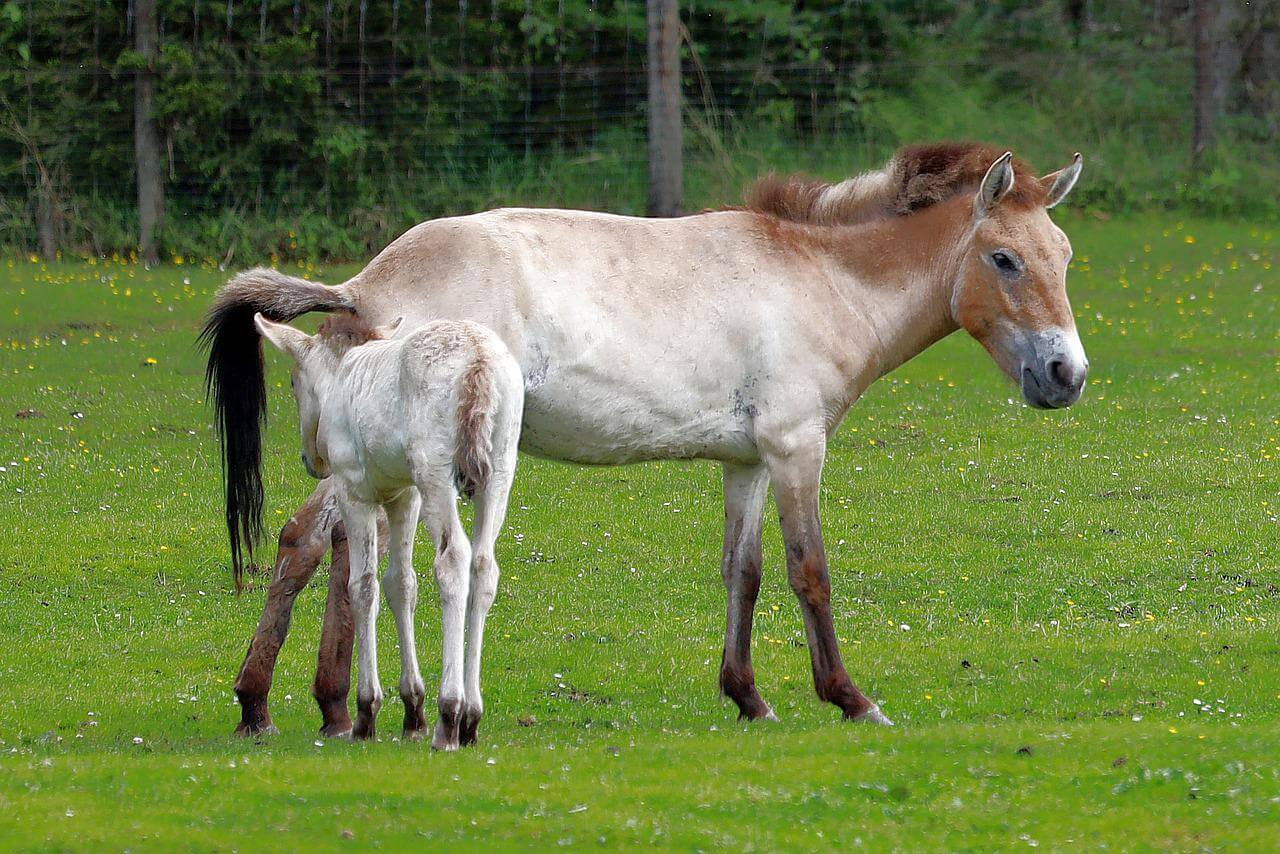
[(336, 730), (755, 709), (417, 734), (257, 730), (873, 715)]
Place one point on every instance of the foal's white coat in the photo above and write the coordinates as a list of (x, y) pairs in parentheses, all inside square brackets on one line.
[(388, 419)]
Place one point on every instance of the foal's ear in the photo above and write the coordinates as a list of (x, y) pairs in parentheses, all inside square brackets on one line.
[(995, 185), (1058, 184), (389, 330), (286, 339)]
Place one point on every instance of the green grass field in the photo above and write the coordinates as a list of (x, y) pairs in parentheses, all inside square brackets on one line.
[(1072, 616)]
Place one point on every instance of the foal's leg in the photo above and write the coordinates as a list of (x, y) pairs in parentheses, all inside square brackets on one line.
[(337, 637), (302, 545), (491, 509), (796, 478), (400, 585), (452, 568), (745, 491), (362, 588)]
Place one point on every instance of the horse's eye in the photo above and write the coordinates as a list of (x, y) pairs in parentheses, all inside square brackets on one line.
[(1003, 262)]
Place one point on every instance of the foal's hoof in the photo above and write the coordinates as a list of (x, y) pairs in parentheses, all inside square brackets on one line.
[(469, 728), (415, 718), (442, 742), (873, 715), (446, 736)]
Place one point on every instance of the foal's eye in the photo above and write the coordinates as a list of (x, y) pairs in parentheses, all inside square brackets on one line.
[(1004, 262)]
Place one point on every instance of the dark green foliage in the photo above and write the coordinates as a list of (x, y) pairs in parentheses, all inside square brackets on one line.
[(306, 129)]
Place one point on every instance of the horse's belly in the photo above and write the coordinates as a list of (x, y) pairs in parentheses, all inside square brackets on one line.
[(605, 428)]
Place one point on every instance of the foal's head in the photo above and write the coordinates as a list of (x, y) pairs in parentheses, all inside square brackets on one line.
[(315, 361), (1011, 293)]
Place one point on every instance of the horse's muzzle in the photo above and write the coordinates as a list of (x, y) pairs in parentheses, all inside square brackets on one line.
[(1056, 384)]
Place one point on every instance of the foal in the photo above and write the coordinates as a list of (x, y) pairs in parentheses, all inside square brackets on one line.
[(407, 424)]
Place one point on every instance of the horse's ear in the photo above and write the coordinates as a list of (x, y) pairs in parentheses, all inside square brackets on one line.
[(286, 339), (1058, 184), (389, 330), (995, 185)]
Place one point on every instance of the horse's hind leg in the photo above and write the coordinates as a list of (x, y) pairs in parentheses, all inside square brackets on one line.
[(745, 491), (337, 638), (302, 545)]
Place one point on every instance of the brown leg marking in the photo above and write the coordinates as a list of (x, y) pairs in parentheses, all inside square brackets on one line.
[(744, 496), (807, 572), (337, 638), (469, 728), (415, 715), (448, 727), (737, 675), (796, 478), (302, 545), (366, 726)]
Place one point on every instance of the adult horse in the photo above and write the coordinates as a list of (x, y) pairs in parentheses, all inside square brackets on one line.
[(741, 336)]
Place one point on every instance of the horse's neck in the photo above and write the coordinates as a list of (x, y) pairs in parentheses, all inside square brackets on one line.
[(901, 273)]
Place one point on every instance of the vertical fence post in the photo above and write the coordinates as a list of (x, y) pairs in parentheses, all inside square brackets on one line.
[(146, 141), (666, 156)]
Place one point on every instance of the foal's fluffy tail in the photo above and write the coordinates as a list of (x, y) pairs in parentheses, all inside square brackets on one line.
[(473, 453), (234, 380)]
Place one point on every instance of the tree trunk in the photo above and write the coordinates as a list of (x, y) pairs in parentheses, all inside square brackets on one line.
[(1202, 97), (47, 221), (666, 158), (146, 140), (1218, 57)]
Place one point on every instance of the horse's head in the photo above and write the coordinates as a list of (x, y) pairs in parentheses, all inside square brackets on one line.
[(1011, 294), (315, 362)]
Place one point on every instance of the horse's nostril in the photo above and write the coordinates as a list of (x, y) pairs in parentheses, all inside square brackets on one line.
[(1060, 373)]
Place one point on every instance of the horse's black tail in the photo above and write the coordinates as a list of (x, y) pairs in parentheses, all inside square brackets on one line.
[(235, 382)]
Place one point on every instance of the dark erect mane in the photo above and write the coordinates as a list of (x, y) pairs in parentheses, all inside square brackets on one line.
[(347, 329), (916, 177)]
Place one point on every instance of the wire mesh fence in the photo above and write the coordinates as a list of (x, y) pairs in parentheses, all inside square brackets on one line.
[(296, 128)]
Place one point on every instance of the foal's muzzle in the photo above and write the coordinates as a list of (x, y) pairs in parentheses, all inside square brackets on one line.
[(317, 470)]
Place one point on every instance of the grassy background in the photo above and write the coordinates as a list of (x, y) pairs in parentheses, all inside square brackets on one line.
[(1045, 602)]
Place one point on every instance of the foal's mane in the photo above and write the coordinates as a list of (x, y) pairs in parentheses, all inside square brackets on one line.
[(347, 329), (916, 177)]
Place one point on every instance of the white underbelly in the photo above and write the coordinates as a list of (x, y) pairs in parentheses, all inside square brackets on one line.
[(599, 425)]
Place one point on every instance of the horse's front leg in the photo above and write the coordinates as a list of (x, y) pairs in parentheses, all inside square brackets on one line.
[(745, 491), (362, 589), (401, 587), (302, 545), (796, 477)]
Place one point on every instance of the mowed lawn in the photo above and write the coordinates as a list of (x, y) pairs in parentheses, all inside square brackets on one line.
[(1072, 616)]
